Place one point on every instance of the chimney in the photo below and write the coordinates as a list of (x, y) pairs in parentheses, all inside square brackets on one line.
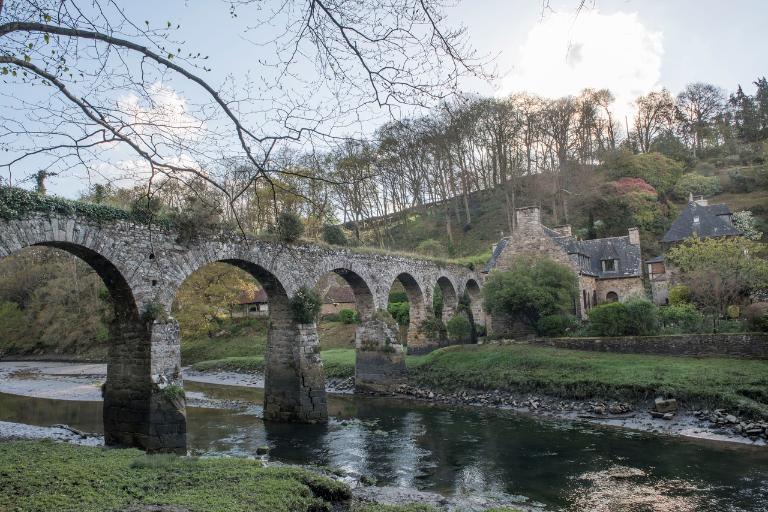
[(528, 218), (701, 201), (634, 236), (564, 230)]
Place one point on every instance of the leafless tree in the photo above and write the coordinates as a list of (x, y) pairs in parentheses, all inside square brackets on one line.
[(655, 113)]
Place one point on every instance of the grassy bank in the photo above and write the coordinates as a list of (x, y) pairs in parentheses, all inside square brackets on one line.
[(238, 338), (735, 384), (48, 476), (338, 363)]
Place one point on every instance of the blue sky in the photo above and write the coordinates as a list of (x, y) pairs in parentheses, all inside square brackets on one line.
[(629, 46)]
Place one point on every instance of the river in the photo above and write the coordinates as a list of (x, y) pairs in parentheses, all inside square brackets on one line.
[(458, 451)]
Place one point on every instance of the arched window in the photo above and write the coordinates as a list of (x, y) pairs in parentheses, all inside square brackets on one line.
[(612, 297)]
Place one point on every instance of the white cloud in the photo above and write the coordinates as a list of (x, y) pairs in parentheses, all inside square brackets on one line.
[(563, 55)]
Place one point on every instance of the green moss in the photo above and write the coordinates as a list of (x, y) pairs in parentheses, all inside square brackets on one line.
[(52, 476), (734, 384)]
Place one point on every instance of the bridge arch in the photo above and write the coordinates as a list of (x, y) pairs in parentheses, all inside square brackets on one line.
[(450, 298), (475, 296), (128, 393), (417, 309)]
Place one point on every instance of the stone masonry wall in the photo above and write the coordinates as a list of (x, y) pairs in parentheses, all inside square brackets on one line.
[(753, 345)]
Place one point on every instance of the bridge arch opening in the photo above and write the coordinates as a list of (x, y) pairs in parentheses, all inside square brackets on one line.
[(410, 314), (448, 302), (267, 335), (474, 295), (65, 298)]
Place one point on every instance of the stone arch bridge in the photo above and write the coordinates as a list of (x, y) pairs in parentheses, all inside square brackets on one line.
[(143, 269)]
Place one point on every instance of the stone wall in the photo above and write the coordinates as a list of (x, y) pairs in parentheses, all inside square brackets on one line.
[(753, 345), (625, 288)]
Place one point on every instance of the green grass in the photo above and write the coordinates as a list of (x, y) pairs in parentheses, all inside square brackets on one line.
[(735, 384), (46, 476), (249, 364), (338, 362), (336, 335), (243, 338)]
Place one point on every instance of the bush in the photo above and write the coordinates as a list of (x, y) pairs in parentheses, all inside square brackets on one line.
[(679, 294), (757, 316), (433, 327), (431, 247), (609, 320), (682, 318), (642, 316), (289, 227), (400, 311), (459, 328), (348, 316), (553, 326), (696, 184), (334, 235), (194, 220), (305, 305)]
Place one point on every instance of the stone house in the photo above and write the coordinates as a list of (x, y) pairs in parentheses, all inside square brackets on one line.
[(608, 269), (251, 303), (699, 218), (338, 297)]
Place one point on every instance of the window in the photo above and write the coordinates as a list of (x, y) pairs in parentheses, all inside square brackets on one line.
[(609, 265), (696, 218), (612, 297)]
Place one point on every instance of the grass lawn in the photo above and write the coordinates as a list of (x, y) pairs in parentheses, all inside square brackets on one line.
[(48, 476), (736, 384), (243, 338)]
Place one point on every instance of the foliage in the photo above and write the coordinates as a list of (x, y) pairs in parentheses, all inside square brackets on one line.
[(348, 316), (679, 294), (431, 247), (720, 271), (400, 311), (530, 289), (434, 328), (746, 223), (459, 328), (51, 476), (659, 171), (194, 219), (757, 316), (154, 311), (398, 296), (630, 185), (333, 234), (681, 318), (556, 325), (610, 319), (244, 364), (208, 297), (573, 374), (438, 301), (305, 304), (338, 363), (237, 337), (642, 315), (288, 227), (696, 184)]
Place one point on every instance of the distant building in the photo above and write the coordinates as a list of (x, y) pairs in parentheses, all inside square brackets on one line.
[(608, 269), (251, 303), (336, 298), (699, 218)]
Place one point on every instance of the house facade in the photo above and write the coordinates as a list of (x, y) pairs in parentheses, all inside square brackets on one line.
[(608, 269), (700, 219), (251, 304)]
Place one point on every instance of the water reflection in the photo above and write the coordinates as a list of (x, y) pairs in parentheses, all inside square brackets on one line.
[(467, 452)]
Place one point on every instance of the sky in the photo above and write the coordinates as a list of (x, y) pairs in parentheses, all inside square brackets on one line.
[(628, 46)]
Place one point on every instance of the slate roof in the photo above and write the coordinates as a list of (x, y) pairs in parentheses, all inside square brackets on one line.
[(253, 296), (714, 221), (342, 294), (618, 248)]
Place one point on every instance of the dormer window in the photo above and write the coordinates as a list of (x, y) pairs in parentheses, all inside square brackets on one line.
[(696, 219), (609, 265)]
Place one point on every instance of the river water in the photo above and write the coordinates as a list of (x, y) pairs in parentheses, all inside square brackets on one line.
[(455, 451)]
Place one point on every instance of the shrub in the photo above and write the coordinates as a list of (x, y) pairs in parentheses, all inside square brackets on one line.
[(433, 327), (696, 184), (195, 219), (334, 235), (609, 320), (347, 316), (757, 316), (681, 318), (642, 316), (556, 325), (679, 294), (431, 247), (480, 330), (400, 311), (289, 227), (459, 328), (398, 296), (305, 305)]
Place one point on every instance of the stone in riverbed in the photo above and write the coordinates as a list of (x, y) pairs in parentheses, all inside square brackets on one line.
[(662, 405), (668, 416), (733, 420)]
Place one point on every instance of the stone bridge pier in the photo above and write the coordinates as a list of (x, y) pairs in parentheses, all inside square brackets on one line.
[(143, 268)]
